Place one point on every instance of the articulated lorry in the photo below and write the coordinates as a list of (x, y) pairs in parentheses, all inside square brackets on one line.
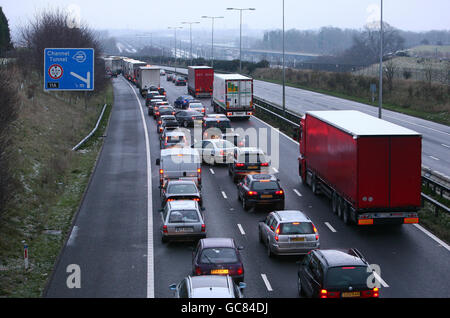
[(368, 167), (147, 76), (200, 81), (233, 95)]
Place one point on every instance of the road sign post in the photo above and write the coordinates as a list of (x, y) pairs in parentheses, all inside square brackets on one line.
[(68, 69)]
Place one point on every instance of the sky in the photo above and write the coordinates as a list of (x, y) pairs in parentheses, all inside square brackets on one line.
[(412, 15)]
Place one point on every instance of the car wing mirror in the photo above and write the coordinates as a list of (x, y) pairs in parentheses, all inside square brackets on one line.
[(242, 285), (173, 287), (240, 248)]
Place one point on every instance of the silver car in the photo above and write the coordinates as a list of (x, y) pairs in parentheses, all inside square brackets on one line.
[(182, 219), (288, 233), (208, 286)]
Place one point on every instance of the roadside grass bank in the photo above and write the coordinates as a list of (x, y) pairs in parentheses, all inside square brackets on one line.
[(438, 224), (52, 180), (419, 99)]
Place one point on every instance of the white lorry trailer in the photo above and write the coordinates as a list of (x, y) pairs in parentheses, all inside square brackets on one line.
[(147, 76), (233, 95)]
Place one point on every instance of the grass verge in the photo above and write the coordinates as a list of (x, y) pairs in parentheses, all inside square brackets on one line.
[(53, 180)]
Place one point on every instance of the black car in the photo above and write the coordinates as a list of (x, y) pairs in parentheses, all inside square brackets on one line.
[(181, 81), (182, 102), (218, 256), (169, 77), (168, 125), (260, 189), (181, 190), (215, 126), (163, 110), (245, 161), (339, 273), (187, 118), (165, 119), (150, 95), (154, 106)]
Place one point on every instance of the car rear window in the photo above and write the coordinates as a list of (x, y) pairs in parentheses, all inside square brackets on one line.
[(345, 276), (296, 228), (183, 216), (222, 124), (252, 158), (181, 188), (192, 105), (218, 255), (262, 185)]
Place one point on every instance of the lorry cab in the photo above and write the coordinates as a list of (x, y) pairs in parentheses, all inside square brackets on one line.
[(179, 164)]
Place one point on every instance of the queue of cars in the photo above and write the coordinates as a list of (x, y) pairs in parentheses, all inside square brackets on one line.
[(217, 266)]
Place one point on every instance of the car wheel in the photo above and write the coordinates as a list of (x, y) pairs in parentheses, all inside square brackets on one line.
[(260, 236), (164, 239), (185, 124), (299, 287), (334, 203), (229, 170), (238, 195), (245, 205), (346, 214), (314, 185), (269, 251)]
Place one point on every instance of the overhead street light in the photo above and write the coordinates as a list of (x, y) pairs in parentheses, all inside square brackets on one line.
[(284, 73), (175, 29), (240, 33), (212, 36), (190, 33), (380, 98)]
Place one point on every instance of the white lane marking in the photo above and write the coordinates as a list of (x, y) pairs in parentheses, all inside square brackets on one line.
[(224, 195), (241, 229), (150, 265), (434, 237), (73, 235), (330, 227), (212, 171), (275, 170), (437, 159), (297, 193), (447, 146), (380, 280), (266, 281)]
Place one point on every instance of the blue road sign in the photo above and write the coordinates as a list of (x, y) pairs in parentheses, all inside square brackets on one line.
[(69, 69)]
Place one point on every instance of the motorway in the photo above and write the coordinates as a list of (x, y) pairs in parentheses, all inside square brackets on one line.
[(436, 137), (117, 244)]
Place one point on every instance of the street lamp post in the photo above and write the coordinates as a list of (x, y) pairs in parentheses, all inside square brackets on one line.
[(212, 37), (240, 33), (175, 29), (284, 73), (190, 33), (380, 98)]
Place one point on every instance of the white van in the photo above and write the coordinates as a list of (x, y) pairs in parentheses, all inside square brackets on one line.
[(179, 164)]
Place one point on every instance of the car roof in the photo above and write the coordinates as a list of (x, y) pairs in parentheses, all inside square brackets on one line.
[(165, 117), (179, 151), (217, 242), (341, 257), (292, 215), (216, 119), (262, 176), (208, 286), (182, 205), (175, 182), (175, 133), (193, 112), (250, 150)]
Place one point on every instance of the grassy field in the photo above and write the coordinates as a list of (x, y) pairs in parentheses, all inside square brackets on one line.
[(53, 180)]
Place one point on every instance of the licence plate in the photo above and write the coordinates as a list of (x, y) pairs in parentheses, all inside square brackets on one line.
[(351, 294), (219, 271), (297, 239), (184, 229), (252, 167), (266, 196)]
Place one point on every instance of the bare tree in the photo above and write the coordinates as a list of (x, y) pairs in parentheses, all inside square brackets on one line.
[(390, 70)]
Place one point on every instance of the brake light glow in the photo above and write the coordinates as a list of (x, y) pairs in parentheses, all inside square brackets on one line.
[(203, 227), (199, 170), (165, 228), (229, 114), (276, 233), (198, 271), (161, 171), (240, 165), (197, 199), (252, 192), (240, 270), (410, 220), (279, 192), (264, 164)]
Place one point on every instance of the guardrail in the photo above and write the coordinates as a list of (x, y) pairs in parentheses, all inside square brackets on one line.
[(92, 132), (290, 124)]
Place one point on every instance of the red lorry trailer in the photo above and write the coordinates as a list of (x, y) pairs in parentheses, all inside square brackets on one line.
[(200, 81), (369, 168)]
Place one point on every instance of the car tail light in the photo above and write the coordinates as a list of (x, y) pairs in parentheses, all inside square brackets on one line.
[(159, 122), (240, 165), (229, 114), (198, 271), (203, 228), (375, 292), (157, 113), (240, 271), (315, 231), (252, 192), (265, 164), (161, 171), (279, 192), (222, 153), (170, 200), (277, 232), (326, 294), (199, 170), (165, 228)]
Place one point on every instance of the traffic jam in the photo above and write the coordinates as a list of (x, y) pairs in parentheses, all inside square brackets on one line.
[(334, 155)]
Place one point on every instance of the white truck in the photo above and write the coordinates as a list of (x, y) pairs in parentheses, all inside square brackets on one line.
[(233, 95), (147, 76)]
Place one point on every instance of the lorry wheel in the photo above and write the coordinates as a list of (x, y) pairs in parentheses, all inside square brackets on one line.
[(340, 204), (334, 203), (346, 214), (314, 185)]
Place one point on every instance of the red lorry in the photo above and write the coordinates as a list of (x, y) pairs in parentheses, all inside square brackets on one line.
[(369, 168), (200, 81)]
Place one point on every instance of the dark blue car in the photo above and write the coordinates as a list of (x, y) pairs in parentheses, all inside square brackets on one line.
[(182, 102)]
